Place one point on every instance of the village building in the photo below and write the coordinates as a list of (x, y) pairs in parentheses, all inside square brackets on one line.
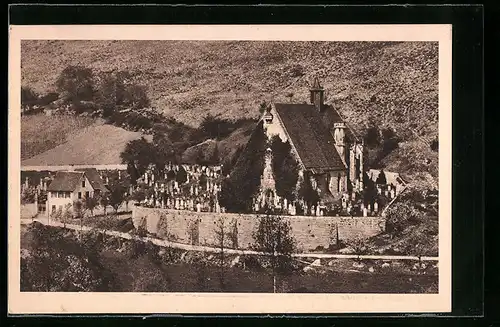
[(70, 186), (327, 150)]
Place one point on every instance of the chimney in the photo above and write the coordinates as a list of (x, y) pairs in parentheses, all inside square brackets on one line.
[(317, 95)]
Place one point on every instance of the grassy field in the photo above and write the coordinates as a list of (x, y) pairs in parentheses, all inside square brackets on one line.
[(40, 133), (66, 140)]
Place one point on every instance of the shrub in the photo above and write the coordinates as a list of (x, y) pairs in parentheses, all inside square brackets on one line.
[(75, 83), (59, 263)]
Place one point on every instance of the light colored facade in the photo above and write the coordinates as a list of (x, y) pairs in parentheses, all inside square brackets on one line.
[(60, 198)]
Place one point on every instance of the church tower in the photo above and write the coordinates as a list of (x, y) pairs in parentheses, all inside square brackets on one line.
[(317, 95)]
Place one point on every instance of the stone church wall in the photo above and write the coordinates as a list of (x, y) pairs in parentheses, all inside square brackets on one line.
[(200, 228)]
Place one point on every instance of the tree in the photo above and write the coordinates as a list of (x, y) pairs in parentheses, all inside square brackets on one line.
[(135, 97), (116, 196), (75, 83), (400, 215), (107, 94), (59, 263), (104, 201), (28, 97), (381, 179), (78, 208), (181, 176), (372, 136), (240, 189), (28, 195), (273, 237), (307, 192), (67, 214), (90, 203), (435, 145), (139, 154), (57, 214), (220, 238), (285, 168)]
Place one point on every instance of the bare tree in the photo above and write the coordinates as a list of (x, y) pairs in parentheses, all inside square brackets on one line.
[(90, 203), (104, 202), (220, 237), (273, 237), (67, 214)]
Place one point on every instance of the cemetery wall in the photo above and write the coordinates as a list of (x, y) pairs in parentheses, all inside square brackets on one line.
[(199, 228)]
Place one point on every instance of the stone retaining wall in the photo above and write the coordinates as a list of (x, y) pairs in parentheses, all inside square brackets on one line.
[(199, 228)]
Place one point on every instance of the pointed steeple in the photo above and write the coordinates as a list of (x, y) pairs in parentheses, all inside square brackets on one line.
[(317, 95), (316, 85)]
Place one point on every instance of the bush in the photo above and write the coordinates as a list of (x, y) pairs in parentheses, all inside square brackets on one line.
[(76, 84), (59, 263)]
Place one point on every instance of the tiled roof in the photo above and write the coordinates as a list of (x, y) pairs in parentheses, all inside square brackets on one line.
[(331, 116), (310, 137), (65, 181), (93, 177)]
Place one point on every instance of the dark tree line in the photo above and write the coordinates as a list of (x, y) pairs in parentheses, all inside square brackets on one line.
[(243, 183)]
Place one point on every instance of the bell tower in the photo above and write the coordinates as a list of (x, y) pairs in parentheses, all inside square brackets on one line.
[(317, 95)]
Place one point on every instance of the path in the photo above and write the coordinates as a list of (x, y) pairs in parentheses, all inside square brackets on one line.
[(208, 249)]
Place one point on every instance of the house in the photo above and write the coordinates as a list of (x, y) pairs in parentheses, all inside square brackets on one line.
[(70, 186), (95, 179), (328, 152)]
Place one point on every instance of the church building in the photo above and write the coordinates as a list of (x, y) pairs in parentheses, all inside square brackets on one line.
[(328, 152)]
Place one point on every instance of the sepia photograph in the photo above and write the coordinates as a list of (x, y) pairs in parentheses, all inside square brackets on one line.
[(231, 166)]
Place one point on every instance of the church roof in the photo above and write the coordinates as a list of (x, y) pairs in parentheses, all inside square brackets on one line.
[(330, 116), (310, 136)]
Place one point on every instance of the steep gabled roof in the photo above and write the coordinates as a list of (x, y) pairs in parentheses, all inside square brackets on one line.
[(331, 116), (310, 136), (94, 178), (65, 181)]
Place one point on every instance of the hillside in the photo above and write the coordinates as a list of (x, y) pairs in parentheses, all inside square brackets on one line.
[(40, 133), (389, 84), (90, 142), (231, 78)]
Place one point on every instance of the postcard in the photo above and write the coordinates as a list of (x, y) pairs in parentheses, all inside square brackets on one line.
[(229, 169)]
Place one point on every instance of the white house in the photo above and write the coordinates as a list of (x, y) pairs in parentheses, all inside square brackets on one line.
[(70, 186)]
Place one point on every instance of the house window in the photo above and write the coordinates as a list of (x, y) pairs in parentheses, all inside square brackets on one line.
[(87, 194), (53, 208), (339, 184), (68, 194), (83, 183), (79, 195)]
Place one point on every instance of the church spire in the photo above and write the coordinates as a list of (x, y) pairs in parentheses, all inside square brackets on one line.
[(317, 95)]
